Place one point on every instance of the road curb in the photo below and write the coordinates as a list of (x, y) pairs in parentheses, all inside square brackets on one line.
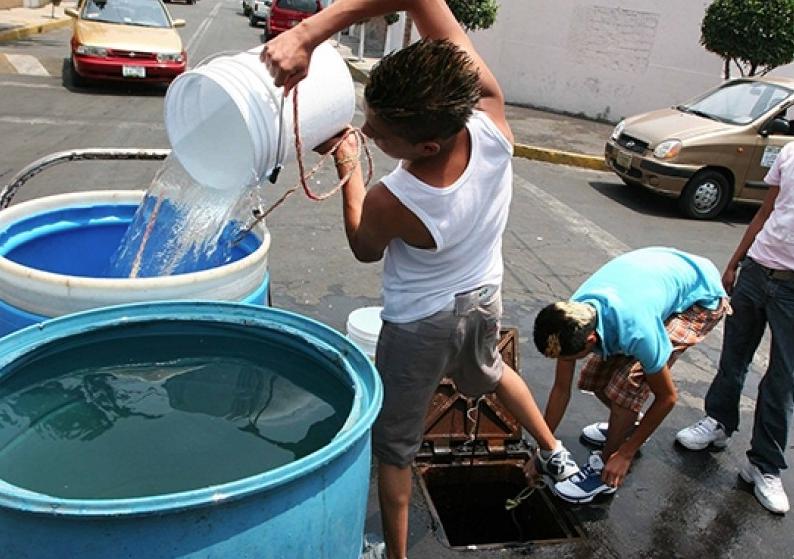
[(533, 153), (27, 30), (560, 157)]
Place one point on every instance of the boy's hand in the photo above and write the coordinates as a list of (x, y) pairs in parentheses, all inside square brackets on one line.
[(616, 469), (287, 58), (347, 149)]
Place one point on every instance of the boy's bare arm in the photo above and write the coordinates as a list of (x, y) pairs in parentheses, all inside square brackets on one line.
[(560, 393), (287, 56)]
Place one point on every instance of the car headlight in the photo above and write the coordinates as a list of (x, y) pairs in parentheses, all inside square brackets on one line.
[(667, 149), (618, 130), (170, 57), (87, 50)]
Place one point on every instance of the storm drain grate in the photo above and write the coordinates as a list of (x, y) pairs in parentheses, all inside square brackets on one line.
[(468, 504)]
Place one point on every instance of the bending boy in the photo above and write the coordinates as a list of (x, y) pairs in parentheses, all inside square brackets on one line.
[(636, 315), (438, 220)]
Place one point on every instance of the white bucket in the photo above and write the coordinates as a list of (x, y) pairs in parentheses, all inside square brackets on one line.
[(363, 329), (222, 118)]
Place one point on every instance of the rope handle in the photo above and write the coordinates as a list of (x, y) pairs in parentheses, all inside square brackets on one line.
[(260, 214)]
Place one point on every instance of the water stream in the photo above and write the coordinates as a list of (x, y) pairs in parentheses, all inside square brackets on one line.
[(181, 226)]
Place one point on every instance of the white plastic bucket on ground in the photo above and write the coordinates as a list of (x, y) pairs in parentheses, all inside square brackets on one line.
[(363, 329), (222, 118)]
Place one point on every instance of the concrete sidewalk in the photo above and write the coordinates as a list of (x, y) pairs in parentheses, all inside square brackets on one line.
[(539, 135), (19, 23)]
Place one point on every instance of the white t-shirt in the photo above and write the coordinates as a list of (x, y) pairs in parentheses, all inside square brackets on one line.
[(774, 245), (466, 220)]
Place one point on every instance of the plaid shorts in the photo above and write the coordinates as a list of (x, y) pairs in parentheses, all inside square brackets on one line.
[(622, 378)]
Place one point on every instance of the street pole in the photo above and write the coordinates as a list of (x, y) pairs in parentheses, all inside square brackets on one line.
[(362, 30)]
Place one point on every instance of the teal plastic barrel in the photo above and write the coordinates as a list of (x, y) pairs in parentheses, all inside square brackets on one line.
[(312, 507), (55, 255)]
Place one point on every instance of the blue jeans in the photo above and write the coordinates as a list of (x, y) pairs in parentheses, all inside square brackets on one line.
[(758, 300)]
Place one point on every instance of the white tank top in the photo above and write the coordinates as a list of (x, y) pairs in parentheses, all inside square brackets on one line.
[(466, 220)]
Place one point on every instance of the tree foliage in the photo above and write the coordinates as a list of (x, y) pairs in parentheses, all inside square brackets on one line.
[(474, 14), (756, 35)]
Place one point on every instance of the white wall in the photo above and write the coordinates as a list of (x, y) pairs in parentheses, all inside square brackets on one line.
[(603, 59)]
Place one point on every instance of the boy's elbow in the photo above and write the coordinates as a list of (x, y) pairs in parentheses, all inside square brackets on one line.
[(366, 256)]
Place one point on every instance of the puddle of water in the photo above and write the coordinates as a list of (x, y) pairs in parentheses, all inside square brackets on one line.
[(155, 409)]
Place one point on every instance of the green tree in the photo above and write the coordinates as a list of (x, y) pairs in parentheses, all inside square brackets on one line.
[(474, 14), (756, 35)]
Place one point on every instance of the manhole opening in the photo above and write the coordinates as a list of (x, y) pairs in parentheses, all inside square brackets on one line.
[(468, 502)]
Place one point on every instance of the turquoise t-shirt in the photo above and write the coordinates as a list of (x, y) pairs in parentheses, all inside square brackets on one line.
[(637, 292)]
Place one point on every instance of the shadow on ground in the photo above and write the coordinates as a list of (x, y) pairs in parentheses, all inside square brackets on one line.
[(649, 203)]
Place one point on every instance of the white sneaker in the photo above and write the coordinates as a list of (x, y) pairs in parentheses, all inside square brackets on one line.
[(596, 433), (768, 488), (707, 431), (584, 486), (559, 465)]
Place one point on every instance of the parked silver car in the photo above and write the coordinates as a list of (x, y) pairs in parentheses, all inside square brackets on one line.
[(260, 10)]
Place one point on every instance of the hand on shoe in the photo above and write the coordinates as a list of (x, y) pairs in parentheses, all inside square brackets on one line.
[(616, 469)]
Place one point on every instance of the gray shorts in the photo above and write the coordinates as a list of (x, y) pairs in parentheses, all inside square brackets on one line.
[(412, 359)]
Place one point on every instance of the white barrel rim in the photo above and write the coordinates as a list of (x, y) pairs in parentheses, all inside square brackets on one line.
[(51, 294)]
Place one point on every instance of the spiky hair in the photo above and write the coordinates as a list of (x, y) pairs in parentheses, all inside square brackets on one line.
[(562, 328), (426, 91)]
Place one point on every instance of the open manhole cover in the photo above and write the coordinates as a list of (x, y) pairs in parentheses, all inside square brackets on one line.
[(468, 502)]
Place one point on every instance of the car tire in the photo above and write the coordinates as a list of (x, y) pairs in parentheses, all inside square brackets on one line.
[(246, 11), (253, 21), (705, 195), (76, 79)]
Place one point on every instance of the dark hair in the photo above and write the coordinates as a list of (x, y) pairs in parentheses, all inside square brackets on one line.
[(425, 91), (562, 328)]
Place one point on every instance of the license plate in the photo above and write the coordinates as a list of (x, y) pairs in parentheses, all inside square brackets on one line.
[(133, 71), (770, 154), (623, 160)]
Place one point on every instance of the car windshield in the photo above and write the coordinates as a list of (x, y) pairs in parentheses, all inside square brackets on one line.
[(738, 102), (145, 13), (307, 6)]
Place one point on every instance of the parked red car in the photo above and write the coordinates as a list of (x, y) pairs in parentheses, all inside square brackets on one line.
[(286, 14)]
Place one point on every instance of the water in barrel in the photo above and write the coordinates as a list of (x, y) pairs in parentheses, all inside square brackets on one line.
[(157, 408)]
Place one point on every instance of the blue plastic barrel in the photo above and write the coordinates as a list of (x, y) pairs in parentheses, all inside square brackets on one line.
[(55, 255), (311, 508)]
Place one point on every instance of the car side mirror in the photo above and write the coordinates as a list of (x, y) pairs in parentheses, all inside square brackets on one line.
[(71, 12), (179, 23), (776, 126)]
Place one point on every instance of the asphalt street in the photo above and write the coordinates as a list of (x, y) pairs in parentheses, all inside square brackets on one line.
[(564, 223)]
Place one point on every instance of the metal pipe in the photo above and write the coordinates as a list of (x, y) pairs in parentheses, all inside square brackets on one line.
[(87, 154)]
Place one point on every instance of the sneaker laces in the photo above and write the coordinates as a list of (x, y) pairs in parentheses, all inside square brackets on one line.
[(706, 426), (773, 481)]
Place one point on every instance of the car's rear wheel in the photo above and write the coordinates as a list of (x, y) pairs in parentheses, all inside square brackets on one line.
[(246, 10), (253, 21), (705, 195)]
